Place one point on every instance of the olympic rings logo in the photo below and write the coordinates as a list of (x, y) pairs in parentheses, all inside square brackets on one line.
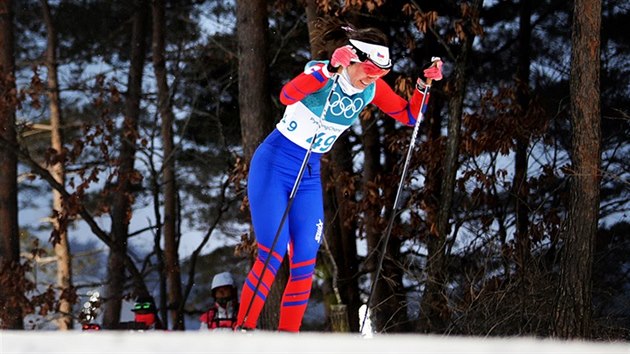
[(345, 106)]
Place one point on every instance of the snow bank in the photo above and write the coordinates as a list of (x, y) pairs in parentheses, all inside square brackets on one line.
[(272, 342)]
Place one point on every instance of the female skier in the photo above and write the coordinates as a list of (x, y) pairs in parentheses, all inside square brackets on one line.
[(360, 61)]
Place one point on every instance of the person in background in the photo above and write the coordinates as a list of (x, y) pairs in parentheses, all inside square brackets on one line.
[(90, 312), (222, 313), (145, 316), (91, 327)]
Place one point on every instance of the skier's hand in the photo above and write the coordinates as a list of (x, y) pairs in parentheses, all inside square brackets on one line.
[(434, 72), (342, 56)]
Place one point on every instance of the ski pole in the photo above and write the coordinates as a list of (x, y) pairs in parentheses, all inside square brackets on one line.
[(403, 176), (296, 184)]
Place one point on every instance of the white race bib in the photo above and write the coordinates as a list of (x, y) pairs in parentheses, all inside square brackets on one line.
[(299, 125)]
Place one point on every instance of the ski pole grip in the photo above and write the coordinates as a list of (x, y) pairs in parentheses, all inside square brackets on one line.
[(434, 62)]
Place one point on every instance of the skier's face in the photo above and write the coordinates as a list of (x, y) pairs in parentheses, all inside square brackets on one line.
[(364, 74)]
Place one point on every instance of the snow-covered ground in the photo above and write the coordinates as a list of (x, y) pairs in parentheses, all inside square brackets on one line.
[(272, 342)]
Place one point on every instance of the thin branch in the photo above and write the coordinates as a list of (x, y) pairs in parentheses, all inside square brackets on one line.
[(43, 173)]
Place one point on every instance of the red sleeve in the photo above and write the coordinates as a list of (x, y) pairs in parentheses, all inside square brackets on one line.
[(311, 80), (207, 316), (395, 106)]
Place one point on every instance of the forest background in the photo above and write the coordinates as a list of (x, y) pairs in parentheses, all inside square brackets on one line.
[(132, 124)]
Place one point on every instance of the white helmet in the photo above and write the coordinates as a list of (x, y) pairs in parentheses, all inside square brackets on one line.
[(222, 279)]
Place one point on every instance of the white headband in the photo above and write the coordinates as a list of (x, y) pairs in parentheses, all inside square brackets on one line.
[(377, 54)]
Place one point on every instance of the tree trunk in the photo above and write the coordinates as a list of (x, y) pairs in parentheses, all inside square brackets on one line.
[(574, 308), (430, 317), (253, 74), (520, 187), (387, 312), (127, 176), (339, 199), (371, 188), (255, 114), (434, 306), (9, 230), (173, 273), (61, 242)]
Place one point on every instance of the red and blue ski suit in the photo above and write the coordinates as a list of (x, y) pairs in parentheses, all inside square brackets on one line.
[(274, 169)]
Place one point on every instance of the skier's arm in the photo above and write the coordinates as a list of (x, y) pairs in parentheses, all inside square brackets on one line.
[(395, 106), (398, 108), (205, 319), (311, 80)]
